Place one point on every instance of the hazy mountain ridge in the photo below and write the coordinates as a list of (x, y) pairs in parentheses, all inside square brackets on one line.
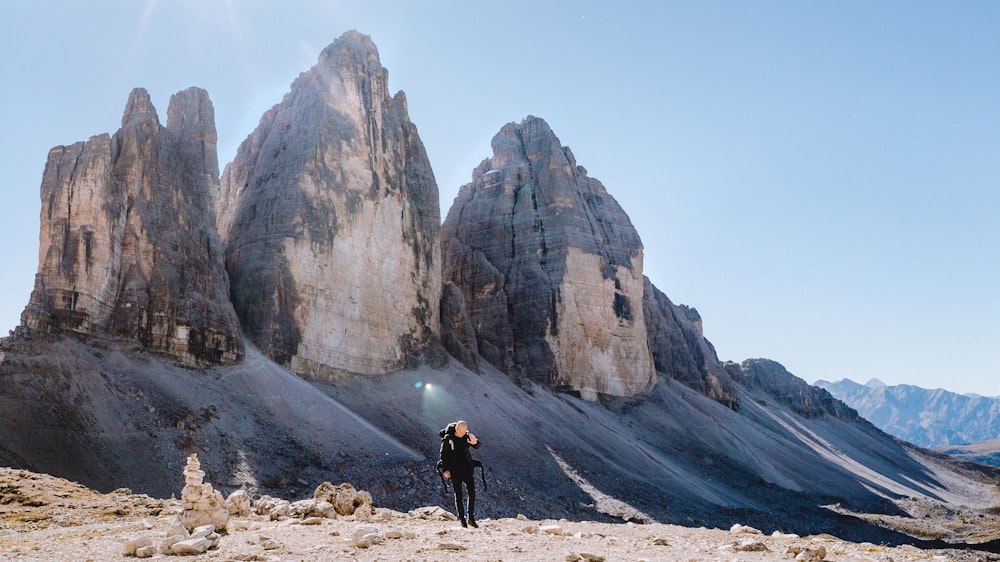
[(926, 417)]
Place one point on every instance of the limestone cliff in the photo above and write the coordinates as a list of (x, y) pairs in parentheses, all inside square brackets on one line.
[(128, 245), (551, 268), (331, 222), (680, 350)]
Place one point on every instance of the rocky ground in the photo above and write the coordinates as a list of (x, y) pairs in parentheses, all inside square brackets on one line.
[(46, 518)]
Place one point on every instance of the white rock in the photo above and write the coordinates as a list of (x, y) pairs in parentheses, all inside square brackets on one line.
[(817, 554), (551, 529), (270, 544), (191, 546), (737, 528), (432, 513), (238, 503), (202, 532), (145, 552), (132, 545), (749, 545), (780, 535), (312, 521)]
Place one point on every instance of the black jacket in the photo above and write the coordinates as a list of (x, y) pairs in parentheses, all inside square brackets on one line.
[(455, 455)]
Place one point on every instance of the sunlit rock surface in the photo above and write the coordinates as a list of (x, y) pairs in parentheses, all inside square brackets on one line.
[(331, 221), (128, 245)]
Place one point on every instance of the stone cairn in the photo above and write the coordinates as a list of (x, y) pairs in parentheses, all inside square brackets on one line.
[(202, 504), (203, 513)]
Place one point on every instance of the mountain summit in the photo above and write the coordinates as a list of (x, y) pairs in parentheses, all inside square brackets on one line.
[(331, 222), (551, 268), (128, 246)]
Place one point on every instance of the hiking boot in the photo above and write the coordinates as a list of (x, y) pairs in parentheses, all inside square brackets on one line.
[(472, 522), (464, 524)]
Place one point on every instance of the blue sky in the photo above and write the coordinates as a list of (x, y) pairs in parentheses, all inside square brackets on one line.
[(820, 179)]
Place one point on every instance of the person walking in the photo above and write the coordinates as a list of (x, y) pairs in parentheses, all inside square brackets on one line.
[(457, 463)]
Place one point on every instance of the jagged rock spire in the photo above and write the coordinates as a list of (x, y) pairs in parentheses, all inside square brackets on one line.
[(128, 245), (332, 226), (551, 268)]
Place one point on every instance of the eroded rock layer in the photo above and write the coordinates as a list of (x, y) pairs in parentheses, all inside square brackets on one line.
[(550, 267), (332, 226), (128, 245)]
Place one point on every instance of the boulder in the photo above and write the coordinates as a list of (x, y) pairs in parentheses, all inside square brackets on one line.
[(238, 503), (344, 498), (132, 545)]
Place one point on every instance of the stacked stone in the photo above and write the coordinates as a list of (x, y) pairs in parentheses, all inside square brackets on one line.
[(202, 504)]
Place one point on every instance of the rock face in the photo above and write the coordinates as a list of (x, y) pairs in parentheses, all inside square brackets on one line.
[(331, 222), (457, 333), (128, 245), (680, 350), (802, 398), (551, 268), (926, 417)]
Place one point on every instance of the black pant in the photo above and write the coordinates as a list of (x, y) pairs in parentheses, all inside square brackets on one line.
[(470, 483)]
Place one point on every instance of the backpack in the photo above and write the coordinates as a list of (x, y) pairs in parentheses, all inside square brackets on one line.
[(449, 431)]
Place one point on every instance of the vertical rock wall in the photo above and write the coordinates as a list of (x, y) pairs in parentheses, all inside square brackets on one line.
[(550, 267), (332, 226), (128, 245)]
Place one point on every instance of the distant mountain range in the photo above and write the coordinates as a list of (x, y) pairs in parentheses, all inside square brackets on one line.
[(929, 418)]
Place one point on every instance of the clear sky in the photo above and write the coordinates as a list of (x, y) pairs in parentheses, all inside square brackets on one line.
[(821, 180)]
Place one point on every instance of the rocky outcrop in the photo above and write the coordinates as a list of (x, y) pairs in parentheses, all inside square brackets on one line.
[(801, 397), (128, 245), (551, 268), (331, 222), (680, 350)]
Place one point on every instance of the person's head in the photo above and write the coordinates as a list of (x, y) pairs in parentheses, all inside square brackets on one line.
[(461, 428)]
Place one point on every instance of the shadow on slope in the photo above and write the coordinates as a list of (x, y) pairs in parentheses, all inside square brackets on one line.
[(108, 419), (671, 455)]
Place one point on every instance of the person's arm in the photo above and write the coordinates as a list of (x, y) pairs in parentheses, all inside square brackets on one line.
[(474, 441)]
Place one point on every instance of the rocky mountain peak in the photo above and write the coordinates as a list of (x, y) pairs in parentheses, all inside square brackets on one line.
[(335, 174), (128, 246), (551, 268), (139, 109)]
